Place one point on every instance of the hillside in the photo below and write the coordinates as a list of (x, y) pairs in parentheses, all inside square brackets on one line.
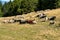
[(39, 31)]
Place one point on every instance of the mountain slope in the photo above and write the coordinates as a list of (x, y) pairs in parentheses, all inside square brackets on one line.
[(39, 31)]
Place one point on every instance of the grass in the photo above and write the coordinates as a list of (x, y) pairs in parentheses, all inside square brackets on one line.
[(39, 31)]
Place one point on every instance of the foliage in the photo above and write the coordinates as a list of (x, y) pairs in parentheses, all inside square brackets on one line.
[(47, 4), (19, 7), (0, 9)]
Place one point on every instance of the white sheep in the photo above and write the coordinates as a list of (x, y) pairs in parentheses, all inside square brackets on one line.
[(34, 22), (46, 18), (11, 21), (52, 22), (5, 21)]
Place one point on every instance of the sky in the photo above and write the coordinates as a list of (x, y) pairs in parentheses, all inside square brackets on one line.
[(3, 1), (6, 0)]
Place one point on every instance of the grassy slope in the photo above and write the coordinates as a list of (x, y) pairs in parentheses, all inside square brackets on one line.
[(39, 31)]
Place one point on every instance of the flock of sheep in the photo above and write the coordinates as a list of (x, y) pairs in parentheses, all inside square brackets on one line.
[(23, 21), (44, 16)]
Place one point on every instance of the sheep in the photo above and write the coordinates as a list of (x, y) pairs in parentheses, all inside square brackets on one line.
[(30, 21), (5, 21), (42, 15), (37, 16), (22, 21), (8, 21), (46, 18), (52, 22), (17, 20), (52, 18), (34, 22), (11, 21), (42, 20)]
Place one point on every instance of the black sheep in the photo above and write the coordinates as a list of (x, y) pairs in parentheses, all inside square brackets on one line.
[(52, 18)]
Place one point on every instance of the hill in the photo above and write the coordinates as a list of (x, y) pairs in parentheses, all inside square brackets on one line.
[(39, 31)]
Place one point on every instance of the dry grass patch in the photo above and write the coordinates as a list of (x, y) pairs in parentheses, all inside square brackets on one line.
[(39, 31)]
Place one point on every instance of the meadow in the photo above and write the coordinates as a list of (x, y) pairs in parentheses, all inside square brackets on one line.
[(39, 31)]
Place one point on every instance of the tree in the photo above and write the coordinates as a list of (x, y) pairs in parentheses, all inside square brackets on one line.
[(47, 4), (29, 5), (19, 7), (0, 9)]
